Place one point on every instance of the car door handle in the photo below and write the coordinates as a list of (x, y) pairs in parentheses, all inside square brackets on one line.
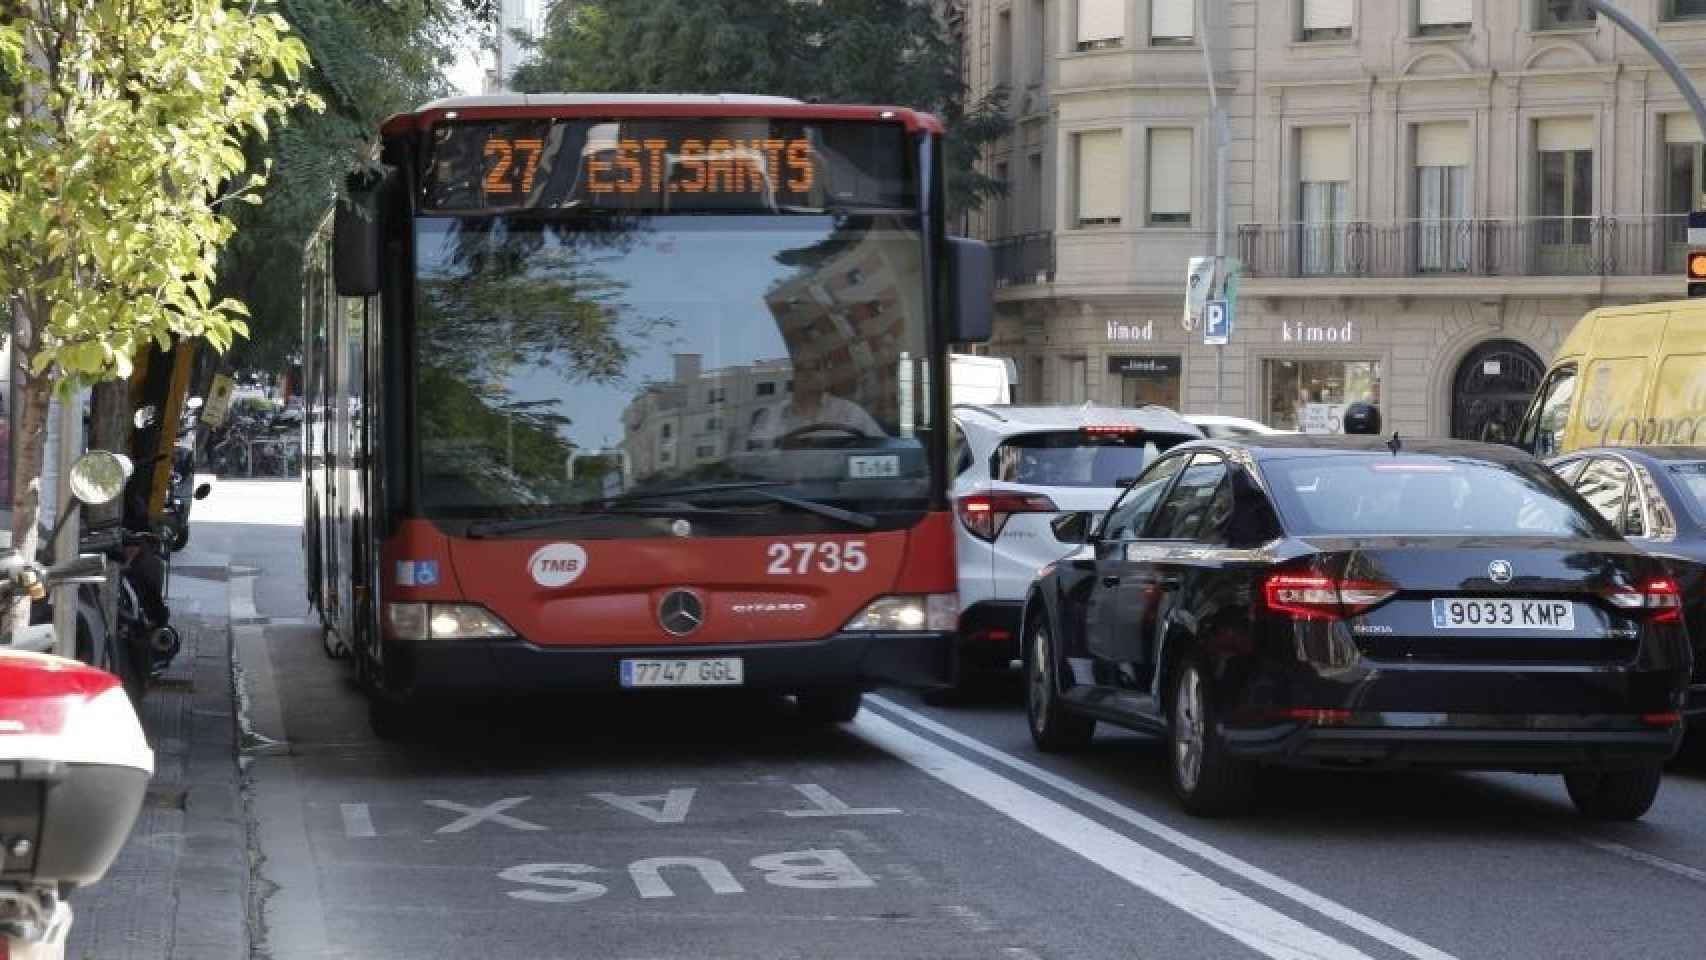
[(1110, 581)]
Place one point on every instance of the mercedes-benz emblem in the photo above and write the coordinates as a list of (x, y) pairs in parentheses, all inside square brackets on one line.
[(1499, 571), (681, 528), (681, 613)]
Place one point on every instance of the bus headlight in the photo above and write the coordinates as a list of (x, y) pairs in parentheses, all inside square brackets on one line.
[(445, 621), (908, 613)]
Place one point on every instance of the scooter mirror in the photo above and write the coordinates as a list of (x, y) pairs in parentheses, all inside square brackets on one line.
[(145, 417), (99, 476), (202, 491)]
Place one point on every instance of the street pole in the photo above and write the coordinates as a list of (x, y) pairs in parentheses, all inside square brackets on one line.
[(1223, 142), (70, 446), (1645, 37)]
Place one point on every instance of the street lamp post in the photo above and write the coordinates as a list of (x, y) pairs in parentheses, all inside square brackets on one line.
[(1645, 38)]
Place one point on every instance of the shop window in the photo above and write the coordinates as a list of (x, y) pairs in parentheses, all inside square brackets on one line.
[(1565, 227), (1563, 14), (1101, 178), (1326, 20), (1441, 18), (1442, 197), (1170, 167), (1324, 174), (1685, 9), (1172, 23), (766, 388), (1311, 395), (1101, 24)]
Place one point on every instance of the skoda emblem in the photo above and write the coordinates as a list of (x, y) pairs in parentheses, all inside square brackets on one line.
[(681, 528), (1499, 571), (681, 613)]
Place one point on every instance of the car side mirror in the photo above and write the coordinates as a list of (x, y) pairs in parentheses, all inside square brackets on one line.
[(356, 237), (971, 264), (202, 491), (1073, 527)]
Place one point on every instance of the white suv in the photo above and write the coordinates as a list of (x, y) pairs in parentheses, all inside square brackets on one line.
[(1017, 468)]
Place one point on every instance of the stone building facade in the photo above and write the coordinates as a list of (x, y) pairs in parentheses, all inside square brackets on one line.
[(1426, 195)]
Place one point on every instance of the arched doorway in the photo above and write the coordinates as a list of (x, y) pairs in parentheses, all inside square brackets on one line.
[(1492, 389)]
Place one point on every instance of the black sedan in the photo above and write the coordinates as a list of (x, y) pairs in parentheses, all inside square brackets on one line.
[(1656, 498), (1346, 602)]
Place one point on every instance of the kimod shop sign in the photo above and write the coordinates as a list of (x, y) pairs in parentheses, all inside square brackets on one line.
[(1131, 332), (1299, 331)]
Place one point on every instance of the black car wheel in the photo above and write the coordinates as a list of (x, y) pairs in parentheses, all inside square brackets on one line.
[(1206, 778), (1614, 795), (831, 706), (1054, 728)]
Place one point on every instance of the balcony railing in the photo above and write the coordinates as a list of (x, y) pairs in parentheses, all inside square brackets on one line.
[(1027, 258), (1514, 247)]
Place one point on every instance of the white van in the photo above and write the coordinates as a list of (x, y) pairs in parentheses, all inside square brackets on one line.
[(981, 381)]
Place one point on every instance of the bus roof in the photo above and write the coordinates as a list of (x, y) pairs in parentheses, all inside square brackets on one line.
[(605, 105)]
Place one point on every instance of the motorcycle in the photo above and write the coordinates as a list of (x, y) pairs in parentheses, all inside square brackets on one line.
[(182, 492), (78, 761)]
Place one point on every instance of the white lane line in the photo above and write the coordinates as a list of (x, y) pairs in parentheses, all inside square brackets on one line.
[(1250, 922), (358, 820), (1640, 856), (1331, 909)]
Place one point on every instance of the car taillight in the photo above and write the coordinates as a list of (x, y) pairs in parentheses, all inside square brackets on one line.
[(1111, 431), (985, 514), (1310, 596), (1660, 598)]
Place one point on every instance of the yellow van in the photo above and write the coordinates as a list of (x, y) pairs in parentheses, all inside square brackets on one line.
[(1626, 376)]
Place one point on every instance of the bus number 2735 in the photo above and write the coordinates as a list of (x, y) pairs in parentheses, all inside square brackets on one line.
[(800, 559)]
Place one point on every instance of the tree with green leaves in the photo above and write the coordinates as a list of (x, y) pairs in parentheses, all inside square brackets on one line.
[(834, 51), (371, 59), (122, 133)]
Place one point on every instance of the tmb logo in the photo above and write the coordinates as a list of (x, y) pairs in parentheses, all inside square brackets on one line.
[(557, 564)]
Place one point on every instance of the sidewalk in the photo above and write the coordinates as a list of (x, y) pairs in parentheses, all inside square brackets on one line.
[(179, 889)]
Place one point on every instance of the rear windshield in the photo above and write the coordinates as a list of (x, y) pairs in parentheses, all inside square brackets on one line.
[(1080, 458), (1369, 495), (1691, 478)]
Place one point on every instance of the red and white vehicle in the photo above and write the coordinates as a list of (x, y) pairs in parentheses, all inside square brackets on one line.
[(634, 392)]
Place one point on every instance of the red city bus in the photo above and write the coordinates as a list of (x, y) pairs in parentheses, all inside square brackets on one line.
[(632, 392)]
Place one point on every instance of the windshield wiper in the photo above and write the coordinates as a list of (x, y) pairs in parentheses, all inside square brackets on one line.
[(757, 488), (494, 527), (635, 504)]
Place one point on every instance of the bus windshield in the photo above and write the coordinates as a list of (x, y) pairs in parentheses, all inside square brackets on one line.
[(566, 362)]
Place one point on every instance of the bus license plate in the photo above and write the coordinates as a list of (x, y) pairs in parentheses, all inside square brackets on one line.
[(718, 672), (1464, 613)]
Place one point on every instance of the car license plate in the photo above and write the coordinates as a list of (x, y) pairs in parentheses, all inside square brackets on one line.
[(718, 672), (1465, 613)]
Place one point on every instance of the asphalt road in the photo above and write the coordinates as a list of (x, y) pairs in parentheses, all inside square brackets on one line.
[(702, 827)]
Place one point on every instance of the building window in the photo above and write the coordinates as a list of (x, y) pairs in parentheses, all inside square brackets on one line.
[(1324, 175), (1683, 185), (1326, 20), (715, 395), (1037, 49), (1075, 379), (1440, 18), (1442, 197), (1101, 24), (1101, 178), (1311, 395), (1685, 9), (712, 424), (1002, 202), (1565, 174), (766, 388), (665, 458), (1563, 14), (1004, 49), (1170, 177), (1172, 23), (666, 432), (1034, 188)]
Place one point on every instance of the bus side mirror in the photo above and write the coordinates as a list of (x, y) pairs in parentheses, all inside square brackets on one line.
[(355, 238), (972, 266)]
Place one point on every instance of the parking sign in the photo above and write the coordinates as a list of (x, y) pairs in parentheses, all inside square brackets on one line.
[(1217, 323)]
